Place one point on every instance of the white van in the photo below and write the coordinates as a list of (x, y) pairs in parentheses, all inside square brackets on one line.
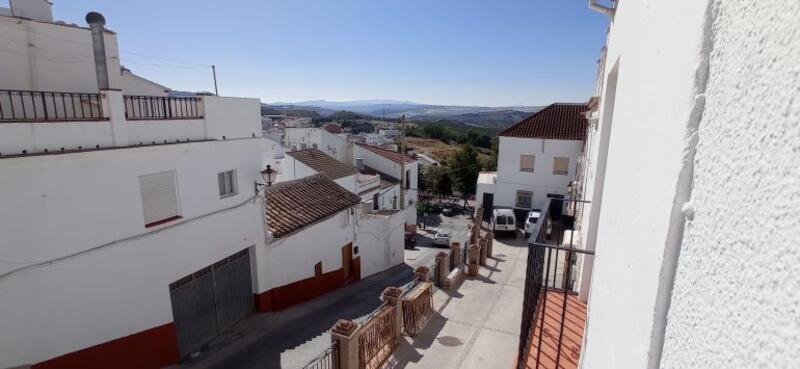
[(504, 222)]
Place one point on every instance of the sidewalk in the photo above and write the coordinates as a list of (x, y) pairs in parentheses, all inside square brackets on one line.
[(476, 326)]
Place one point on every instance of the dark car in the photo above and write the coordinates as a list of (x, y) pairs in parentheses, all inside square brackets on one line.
[(411, 240), (448, 211)]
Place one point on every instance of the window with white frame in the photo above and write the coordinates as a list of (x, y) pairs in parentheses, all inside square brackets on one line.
[(228, 185), (345, 218), (524, 199), (526, 163), (159, 198), (560, 166)]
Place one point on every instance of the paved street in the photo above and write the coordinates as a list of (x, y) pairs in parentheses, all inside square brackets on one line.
[(477, 325), (425, 252), (288, 339)]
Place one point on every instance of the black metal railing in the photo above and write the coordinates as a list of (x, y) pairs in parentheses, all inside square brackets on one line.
[(49, 106), (162, 108), (551, 283), (328, 359)]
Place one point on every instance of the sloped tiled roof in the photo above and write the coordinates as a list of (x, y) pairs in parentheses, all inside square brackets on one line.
[(294, 205), (333, 128), (559, 121), (388, 154), (322, 163)]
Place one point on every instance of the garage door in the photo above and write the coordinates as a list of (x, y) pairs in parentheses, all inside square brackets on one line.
[(211, 300)]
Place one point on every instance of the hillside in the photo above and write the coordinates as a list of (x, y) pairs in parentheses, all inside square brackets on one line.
[(476, 116)]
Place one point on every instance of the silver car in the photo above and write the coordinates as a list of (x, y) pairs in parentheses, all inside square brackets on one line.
[(441, 239)]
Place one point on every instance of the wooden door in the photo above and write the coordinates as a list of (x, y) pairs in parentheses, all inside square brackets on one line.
[(347, 258)]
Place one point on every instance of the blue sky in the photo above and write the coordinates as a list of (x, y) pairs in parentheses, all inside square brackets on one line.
[(460, 52)]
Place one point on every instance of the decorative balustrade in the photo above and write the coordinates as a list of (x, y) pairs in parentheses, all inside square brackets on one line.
[(162, 108), (50, 106)]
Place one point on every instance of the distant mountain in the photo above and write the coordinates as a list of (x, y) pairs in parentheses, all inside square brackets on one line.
[(479, 116)]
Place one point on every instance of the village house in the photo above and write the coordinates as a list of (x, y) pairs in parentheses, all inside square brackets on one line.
[(384, 219), (313, 225), (390, 163), (335, 145), (537, 158), (117, 196)]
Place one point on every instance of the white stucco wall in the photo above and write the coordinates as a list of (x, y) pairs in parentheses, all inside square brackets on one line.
[(51, 57), (331, 144), (292, 258), (380, 241), (655, 47), (542, 180), (392, 168), (133, 84), (736, 298), (59, 205)]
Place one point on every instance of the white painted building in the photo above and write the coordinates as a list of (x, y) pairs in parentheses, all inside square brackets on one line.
[(537, 158), (334, 145), (389, 162), (313, 224), (695, 198), (115, 213)]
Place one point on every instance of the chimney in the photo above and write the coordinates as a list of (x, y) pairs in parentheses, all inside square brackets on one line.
[(96, 22), (360, 163)]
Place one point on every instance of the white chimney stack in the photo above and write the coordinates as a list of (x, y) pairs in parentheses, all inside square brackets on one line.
[(38, 10)]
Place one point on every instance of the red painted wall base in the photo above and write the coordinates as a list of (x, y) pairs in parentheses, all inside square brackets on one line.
[(282, 297), (153, 348)]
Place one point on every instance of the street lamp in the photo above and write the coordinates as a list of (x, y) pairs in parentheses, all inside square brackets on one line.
[(268, 175)]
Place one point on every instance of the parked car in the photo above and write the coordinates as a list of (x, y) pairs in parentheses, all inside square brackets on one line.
[(448, 211), (441, 239), (530, 222), (504, 222), (411, 240)]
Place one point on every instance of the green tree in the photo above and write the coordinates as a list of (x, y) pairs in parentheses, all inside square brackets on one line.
[(464, 168)]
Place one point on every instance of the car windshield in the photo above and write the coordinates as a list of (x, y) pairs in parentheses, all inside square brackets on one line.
[(442, 235), (533, 219)]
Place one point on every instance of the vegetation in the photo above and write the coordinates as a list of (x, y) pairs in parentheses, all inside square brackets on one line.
[(464, 169), (454, 134)]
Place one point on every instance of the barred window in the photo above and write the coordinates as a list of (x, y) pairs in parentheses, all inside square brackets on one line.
[(526, 163), (560, 166), (524, 199)]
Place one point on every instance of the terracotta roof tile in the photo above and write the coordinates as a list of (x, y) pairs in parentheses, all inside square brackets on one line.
[(388, 154), (294, 205), (322, 163), (558, 121)]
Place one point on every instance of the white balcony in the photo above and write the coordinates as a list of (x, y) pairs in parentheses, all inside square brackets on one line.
[(39, 122)]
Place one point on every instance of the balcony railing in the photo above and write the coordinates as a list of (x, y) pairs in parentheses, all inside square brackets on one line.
[(49, 106), (162, 108), (553, 317)]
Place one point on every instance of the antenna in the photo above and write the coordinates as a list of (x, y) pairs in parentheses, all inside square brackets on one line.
[(214, 73)]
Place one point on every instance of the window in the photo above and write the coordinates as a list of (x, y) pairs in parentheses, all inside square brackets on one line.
[(314, 146), (227, 183), (524, 199), (501, 219), (560, 166), (408, 179), (375, 201), (159, 198), (318, 269), (526, 163), (345, 218)]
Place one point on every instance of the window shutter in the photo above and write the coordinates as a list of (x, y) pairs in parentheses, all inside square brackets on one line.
[(221, 180), (159, 196)]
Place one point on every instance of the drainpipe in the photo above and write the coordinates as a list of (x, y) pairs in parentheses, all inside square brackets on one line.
[(594, 5)]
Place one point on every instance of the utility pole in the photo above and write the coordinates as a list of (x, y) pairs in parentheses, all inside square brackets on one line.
[(214, 73), (403, 162)]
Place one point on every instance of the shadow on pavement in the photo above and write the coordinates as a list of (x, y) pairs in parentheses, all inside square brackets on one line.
[(259, 340)]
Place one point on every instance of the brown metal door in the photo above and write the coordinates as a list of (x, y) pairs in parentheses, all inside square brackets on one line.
[(347, 258)]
